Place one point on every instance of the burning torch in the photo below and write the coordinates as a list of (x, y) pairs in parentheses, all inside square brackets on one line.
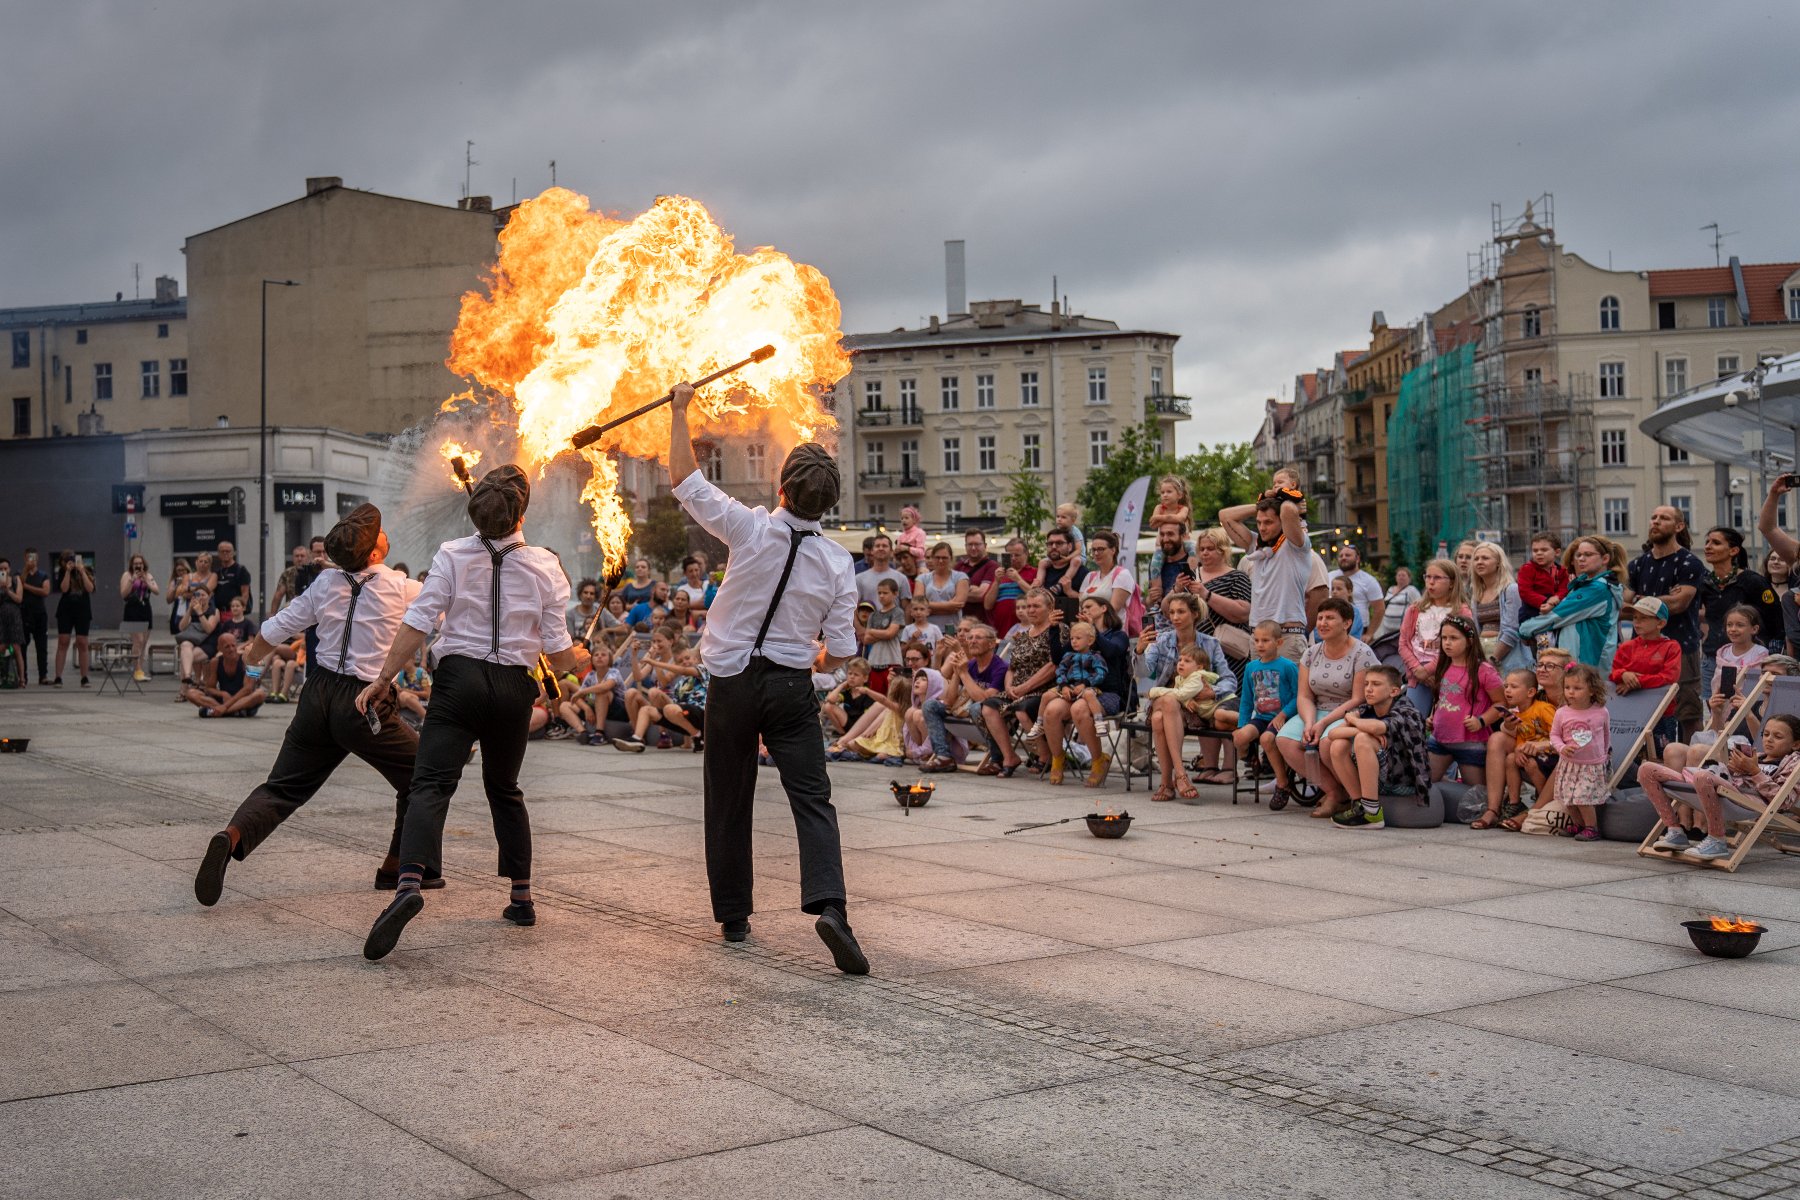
[(553, 688), (593, 433)]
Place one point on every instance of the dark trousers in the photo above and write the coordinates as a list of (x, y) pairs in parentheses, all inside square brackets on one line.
[(37, 632), (777, 703), (471, 701), (326, 728)]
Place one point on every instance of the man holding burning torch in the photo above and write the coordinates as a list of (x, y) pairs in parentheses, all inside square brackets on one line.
[(787, 590)]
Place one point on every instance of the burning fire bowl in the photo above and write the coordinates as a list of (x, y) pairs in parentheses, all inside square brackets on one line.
[(913, 795), (1724, 943), (1108, 825), (14, 745)]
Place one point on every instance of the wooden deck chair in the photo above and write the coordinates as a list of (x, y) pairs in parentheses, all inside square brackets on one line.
[(1632, 720), (1762, 682), (1766, 822)]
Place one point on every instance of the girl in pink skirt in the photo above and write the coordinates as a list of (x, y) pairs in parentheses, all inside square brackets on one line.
[(1582, 738)]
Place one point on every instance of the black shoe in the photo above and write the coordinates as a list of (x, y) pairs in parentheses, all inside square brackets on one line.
[(386, 931), (834, 931), (58, 681), (387, 881), (209, 880), (1278, 799), (522, 913), (735, 931), (84, 681), (630, 745)]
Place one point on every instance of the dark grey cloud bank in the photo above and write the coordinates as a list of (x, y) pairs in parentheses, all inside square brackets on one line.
[(1257, 178)]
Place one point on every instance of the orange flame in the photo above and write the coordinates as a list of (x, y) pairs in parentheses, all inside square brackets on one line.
[(452, 449), (1733, 925), (587, 317)]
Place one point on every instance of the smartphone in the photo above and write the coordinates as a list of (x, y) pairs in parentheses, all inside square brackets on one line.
[(373, 718), (1728, 677), (1791, 480)]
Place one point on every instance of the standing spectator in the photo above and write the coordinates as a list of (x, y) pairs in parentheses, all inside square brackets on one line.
[(74, 613), (1170, 565), (1394, 603), (1172, 503), (693, 583), (881, 566), (1009, 584), (203, 574), (136, 586), (1465, 569), (1281, 562), (1420, 626), (981, 569), (12, 619), (945, 589), (1365, 590), (1062, 573), (303, 579), (1543, 577), (584, 614), (234, 579), (1585, 621), (862, 563), (1768, 523), (1224, 593), (35, 586), (879, 630), (287, 586), (180, 575), (909, 565), (637, 588), (1669, 570), (1494, 599), (912, 534), (1113, 582), (1730, 583)]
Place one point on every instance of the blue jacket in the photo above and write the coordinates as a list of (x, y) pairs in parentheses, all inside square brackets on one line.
[(1159, 661), (1586, 623)]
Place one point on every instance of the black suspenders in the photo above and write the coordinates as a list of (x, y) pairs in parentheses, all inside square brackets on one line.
[(797, 536), (498, 556), (356, 587)]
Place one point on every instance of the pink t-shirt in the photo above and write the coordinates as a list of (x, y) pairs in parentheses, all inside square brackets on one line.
[(1458, 701), (1582, 735)]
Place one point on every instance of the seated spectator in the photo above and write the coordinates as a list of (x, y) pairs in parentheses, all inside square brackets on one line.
[(1585, 620), (1759, 776), (1011, 579), (197, 635), (1528, 716), (686, 710), (927, 685), (596, 700), (694, 585), (1268, 694), (640, 586), (1469, 692), (973, 673), (681, 610), (1036, 646), (281, 672), (412, 689), (1536, 758), (1329, 687), (653, 609), (237, 623), (1738, 653), (882, 742), (1343, 589), (1170, 720), (651, 674), (1378, 750), (1079, 676), (668, 702), (844, 704), (228, 690), (1057, 712)]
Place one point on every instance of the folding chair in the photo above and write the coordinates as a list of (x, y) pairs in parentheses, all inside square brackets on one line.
[(117, 666), (1632, 722), (1763, 682), (1766, 821)]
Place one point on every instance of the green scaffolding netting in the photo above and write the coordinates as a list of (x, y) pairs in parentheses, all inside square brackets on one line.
[(1432, 470)]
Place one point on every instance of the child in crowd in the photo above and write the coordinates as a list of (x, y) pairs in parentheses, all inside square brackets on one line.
[(1758, 777), (412, 689), (1649, 660), (1268, 695), (1740, 652), (1171, 502), (921, 629), (882, 625), (1192, 673), (1078, 677), (1066, 517), (646, 680), (1582, 736), (1378, 750), (1529, 715), (654, 691), (883, 743), (845, 704), (1543, 578), (1537, 758), (590, 705), (1468, 691), (686, 709)]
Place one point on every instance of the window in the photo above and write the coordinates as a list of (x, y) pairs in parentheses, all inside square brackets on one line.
[(1612, 381), (878, 513), (81, 337), (1609, 314), (21, 340), (1534, 515), (1028, 389), (952, 455), (1031, 451), (1612, 447), (712, 462), (1728, 365), (1736, 517), (103, 381), (1674, 376), (872, 395), (909, 458), (1156, 380), (1532, 322), (1794, 304), (1677, 455), (1534, 381), (178, 377), (909, 396), (1683, 505), (950, 388), (987, 458), (1099, 447), (162, 331), (875, 458), (1096, 385), (984, 391), (987, 506), (952, 512), (21, 416), (1665, 314), (1715, 313), (1616, 517), (756, 461), (151, 370)]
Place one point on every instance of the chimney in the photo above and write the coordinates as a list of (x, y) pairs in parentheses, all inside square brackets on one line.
[(956, 286), (476, 204), (322, 183), (167, 290), (934, 323)]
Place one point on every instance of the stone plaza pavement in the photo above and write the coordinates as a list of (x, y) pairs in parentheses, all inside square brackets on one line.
[(1227, 1002)]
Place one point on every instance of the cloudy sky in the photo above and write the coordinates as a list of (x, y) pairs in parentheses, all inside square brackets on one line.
[(1256, 178)]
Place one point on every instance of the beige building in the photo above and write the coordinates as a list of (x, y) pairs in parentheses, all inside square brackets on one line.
[(1374, 383), (360, 344), (941, 417), (117, 366)]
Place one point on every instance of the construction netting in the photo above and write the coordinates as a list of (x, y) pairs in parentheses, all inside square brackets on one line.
[(1432, 468)]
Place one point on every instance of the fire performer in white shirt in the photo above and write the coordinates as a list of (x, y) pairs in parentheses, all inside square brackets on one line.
[(502, 603), (357, 609), (786, 589)]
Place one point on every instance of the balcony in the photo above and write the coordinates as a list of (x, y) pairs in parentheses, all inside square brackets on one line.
[(1530, 402), (1357, 398), (892, 481), (1362, 496), (1178, 407), (1511, 478), (1362, 446), (890, 418)]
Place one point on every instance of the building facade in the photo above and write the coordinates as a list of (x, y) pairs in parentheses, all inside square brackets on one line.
[(941, 417), (1374, 390)]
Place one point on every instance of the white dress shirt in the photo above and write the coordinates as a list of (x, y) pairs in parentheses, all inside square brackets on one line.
[(458, 591), (821, 592), (326, 603)]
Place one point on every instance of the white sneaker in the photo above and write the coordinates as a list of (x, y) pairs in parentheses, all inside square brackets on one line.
[(1710, 849), (1675, 840)]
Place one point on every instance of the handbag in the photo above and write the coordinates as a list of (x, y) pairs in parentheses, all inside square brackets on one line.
[(193, 635), (1552, 819), (1235, 641)]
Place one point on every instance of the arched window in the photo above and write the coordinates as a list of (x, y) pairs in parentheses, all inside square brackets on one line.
[(1609, 314), (1533, 321)]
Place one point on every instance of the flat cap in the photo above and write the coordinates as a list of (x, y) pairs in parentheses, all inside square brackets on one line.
[(499, 501), (810, 482)]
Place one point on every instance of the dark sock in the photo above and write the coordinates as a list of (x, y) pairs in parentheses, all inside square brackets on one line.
[(411, 876), (521, 891), (837, 904)]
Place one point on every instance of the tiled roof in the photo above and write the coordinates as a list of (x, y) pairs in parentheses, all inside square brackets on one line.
[(94, 314), (1761, 280)]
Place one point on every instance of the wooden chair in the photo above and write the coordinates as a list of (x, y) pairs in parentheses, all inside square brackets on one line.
[(1632, 722)]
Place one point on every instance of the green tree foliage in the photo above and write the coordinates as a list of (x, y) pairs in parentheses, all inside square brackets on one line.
[(1217, 477), (1028, 509), (664, 536)]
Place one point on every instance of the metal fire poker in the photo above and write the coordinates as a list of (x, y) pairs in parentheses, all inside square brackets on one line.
[(551, 686), (593, 433)]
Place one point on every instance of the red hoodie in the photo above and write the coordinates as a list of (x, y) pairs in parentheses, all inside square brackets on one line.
[(1536, 585)]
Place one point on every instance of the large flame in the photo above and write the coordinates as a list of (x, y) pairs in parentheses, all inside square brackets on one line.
[(1734, 925), (588, 317)]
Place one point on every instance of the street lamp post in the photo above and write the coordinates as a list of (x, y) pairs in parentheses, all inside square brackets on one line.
[(262, 460)]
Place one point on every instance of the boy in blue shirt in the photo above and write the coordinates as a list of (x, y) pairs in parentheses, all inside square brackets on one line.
[(1268, 695)]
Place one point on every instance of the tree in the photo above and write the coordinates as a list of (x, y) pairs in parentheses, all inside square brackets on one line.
[(1028, 508), (664, 537), (1136, 454), (1219, 477)]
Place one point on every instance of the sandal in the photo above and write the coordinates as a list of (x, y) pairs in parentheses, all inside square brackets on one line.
[(1184, 787), (988, 767), (1486, 820), (1220, 777), (1514, 823), (1165, 792), (1009, 772)]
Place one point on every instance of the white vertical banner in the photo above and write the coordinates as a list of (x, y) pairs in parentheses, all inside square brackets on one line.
[(1128, 521)]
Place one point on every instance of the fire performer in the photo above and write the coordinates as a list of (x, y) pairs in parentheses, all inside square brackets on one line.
[(357, 609), (502, 603), (786, 589)]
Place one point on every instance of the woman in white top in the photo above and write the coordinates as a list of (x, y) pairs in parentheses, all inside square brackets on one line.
[(1108, 580)]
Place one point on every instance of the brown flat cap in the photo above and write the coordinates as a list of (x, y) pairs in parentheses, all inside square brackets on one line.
[(810, 482), (353, 539), (499, 501)]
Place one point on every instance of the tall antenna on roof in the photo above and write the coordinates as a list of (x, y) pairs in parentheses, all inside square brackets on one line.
[(468, 163), (137, 277), (1718, 241), (553, 172)]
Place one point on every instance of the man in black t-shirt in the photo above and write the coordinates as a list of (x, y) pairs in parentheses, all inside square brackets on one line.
[(1061, 575), (1671, 572), (234, 579), (37, 616), (1177, 564)]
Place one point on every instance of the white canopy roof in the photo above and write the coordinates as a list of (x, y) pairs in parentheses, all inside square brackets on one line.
[(1724, 421)]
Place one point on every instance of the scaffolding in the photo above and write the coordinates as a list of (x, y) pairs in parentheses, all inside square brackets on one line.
[(1431, 440), (1531, 430)]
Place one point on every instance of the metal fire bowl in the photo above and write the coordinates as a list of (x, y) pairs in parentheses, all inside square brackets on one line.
[(1718, 943), (905, 797), (14, 745), (1100, 827)]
